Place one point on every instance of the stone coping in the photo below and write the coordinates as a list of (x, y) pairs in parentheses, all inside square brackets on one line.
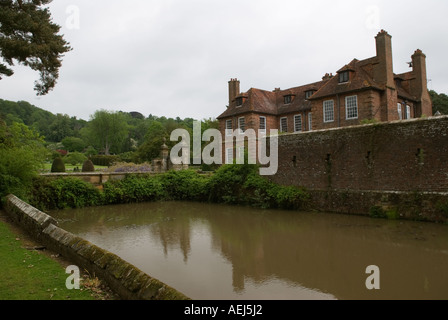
[(126, 280)]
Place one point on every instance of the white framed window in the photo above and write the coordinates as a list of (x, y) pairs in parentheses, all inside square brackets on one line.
[(351, 107), (400, 112), (408, 112), (284, 124), (263, 124), (229, 155), (298, 123), (229, 127), (310, 121), (242, 124), (329, 111)]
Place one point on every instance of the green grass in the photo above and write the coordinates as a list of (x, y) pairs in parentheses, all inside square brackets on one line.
[(31, 275)]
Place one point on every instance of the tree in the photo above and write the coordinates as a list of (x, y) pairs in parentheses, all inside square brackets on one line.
[(21, 156), (73, 144), (154, 139), (439, 102), (28, 36), (107, 130), (60, 128)]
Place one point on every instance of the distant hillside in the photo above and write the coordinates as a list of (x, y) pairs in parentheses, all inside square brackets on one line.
[(53, 127)]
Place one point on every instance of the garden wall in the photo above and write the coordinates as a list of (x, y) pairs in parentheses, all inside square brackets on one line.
[(401, 166), (123, 278)]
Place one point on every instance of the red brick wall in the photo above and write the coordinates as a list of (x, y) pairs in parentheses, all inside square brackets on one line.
[(398, 156), (368, 108)]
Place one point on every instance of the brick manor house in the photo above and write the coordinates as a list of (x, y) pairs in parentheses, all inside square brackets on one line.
[(361, 90)]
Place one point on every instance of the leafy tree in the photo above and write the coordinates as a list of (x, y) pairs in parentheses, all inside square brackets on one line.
[(154, 139), (439, 102), (107, 131), (60, 128), (28, 36), (21, 157), (75, 158), (74, 144)]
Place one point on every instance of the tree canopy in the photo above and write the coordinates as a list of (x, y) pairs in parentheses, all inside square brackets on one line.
[(107, 130), (29, 37), (439, 102)]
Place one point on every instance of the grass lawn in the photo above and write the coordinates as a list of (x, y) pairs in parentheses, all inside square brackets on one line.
[(28, 274)]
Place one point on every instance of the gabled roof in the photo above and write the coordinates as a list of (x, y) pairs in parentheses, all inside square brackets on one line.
[(359, 81), (272, 102)]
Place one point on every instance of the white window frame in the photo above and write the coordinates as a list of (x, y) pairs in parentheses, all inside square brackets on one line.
[(310, 121), (241, 131), (229, 155), (263, 130), (408, 112), (229, 131), (348, 108), (286, 124), (296, 122), (400, 112), (328, 109)]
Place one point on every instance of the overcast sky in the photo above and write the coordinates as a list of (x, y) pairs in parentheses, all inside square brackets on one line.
[(174, 58)]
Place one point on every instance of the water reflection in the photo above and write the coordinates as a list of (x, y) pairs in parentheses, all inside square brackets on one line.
[(223, 252)]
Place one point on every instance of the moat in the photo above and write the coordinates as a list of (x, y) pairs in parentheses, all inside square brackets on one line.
[(219, 252)]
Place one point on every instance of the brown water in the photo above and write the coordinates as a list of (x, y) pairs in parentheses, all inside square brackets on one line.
[(220, 252)]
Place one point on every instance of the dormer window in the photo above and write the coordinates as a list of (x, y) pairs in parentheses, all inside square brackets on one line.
[(288, 99), (309, 93), (239, 101), (344, 76)]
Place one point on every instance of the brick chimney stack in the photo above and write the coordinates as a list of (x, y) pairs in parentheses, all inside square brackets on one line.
[(234, 89), (419, 86), (384, 73)]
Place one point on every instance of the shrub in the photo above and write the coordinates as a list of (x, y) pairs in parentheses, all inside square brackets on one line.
[(88, 166), (64, 193), (58, 165), (185, 185), (133, 189), (227, 184)]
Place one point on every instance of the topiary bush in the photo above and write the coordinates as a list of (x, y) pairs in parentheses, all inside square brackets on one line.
[(88, 166), (58, 165)]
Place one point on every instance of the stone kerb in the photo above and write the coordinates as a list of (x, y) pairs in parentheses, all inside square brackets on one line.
[(126, 280)]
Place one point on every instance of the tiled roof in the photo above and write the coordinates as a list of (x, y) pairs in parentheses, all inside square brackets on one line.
[(272, 102), (359, 81)]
